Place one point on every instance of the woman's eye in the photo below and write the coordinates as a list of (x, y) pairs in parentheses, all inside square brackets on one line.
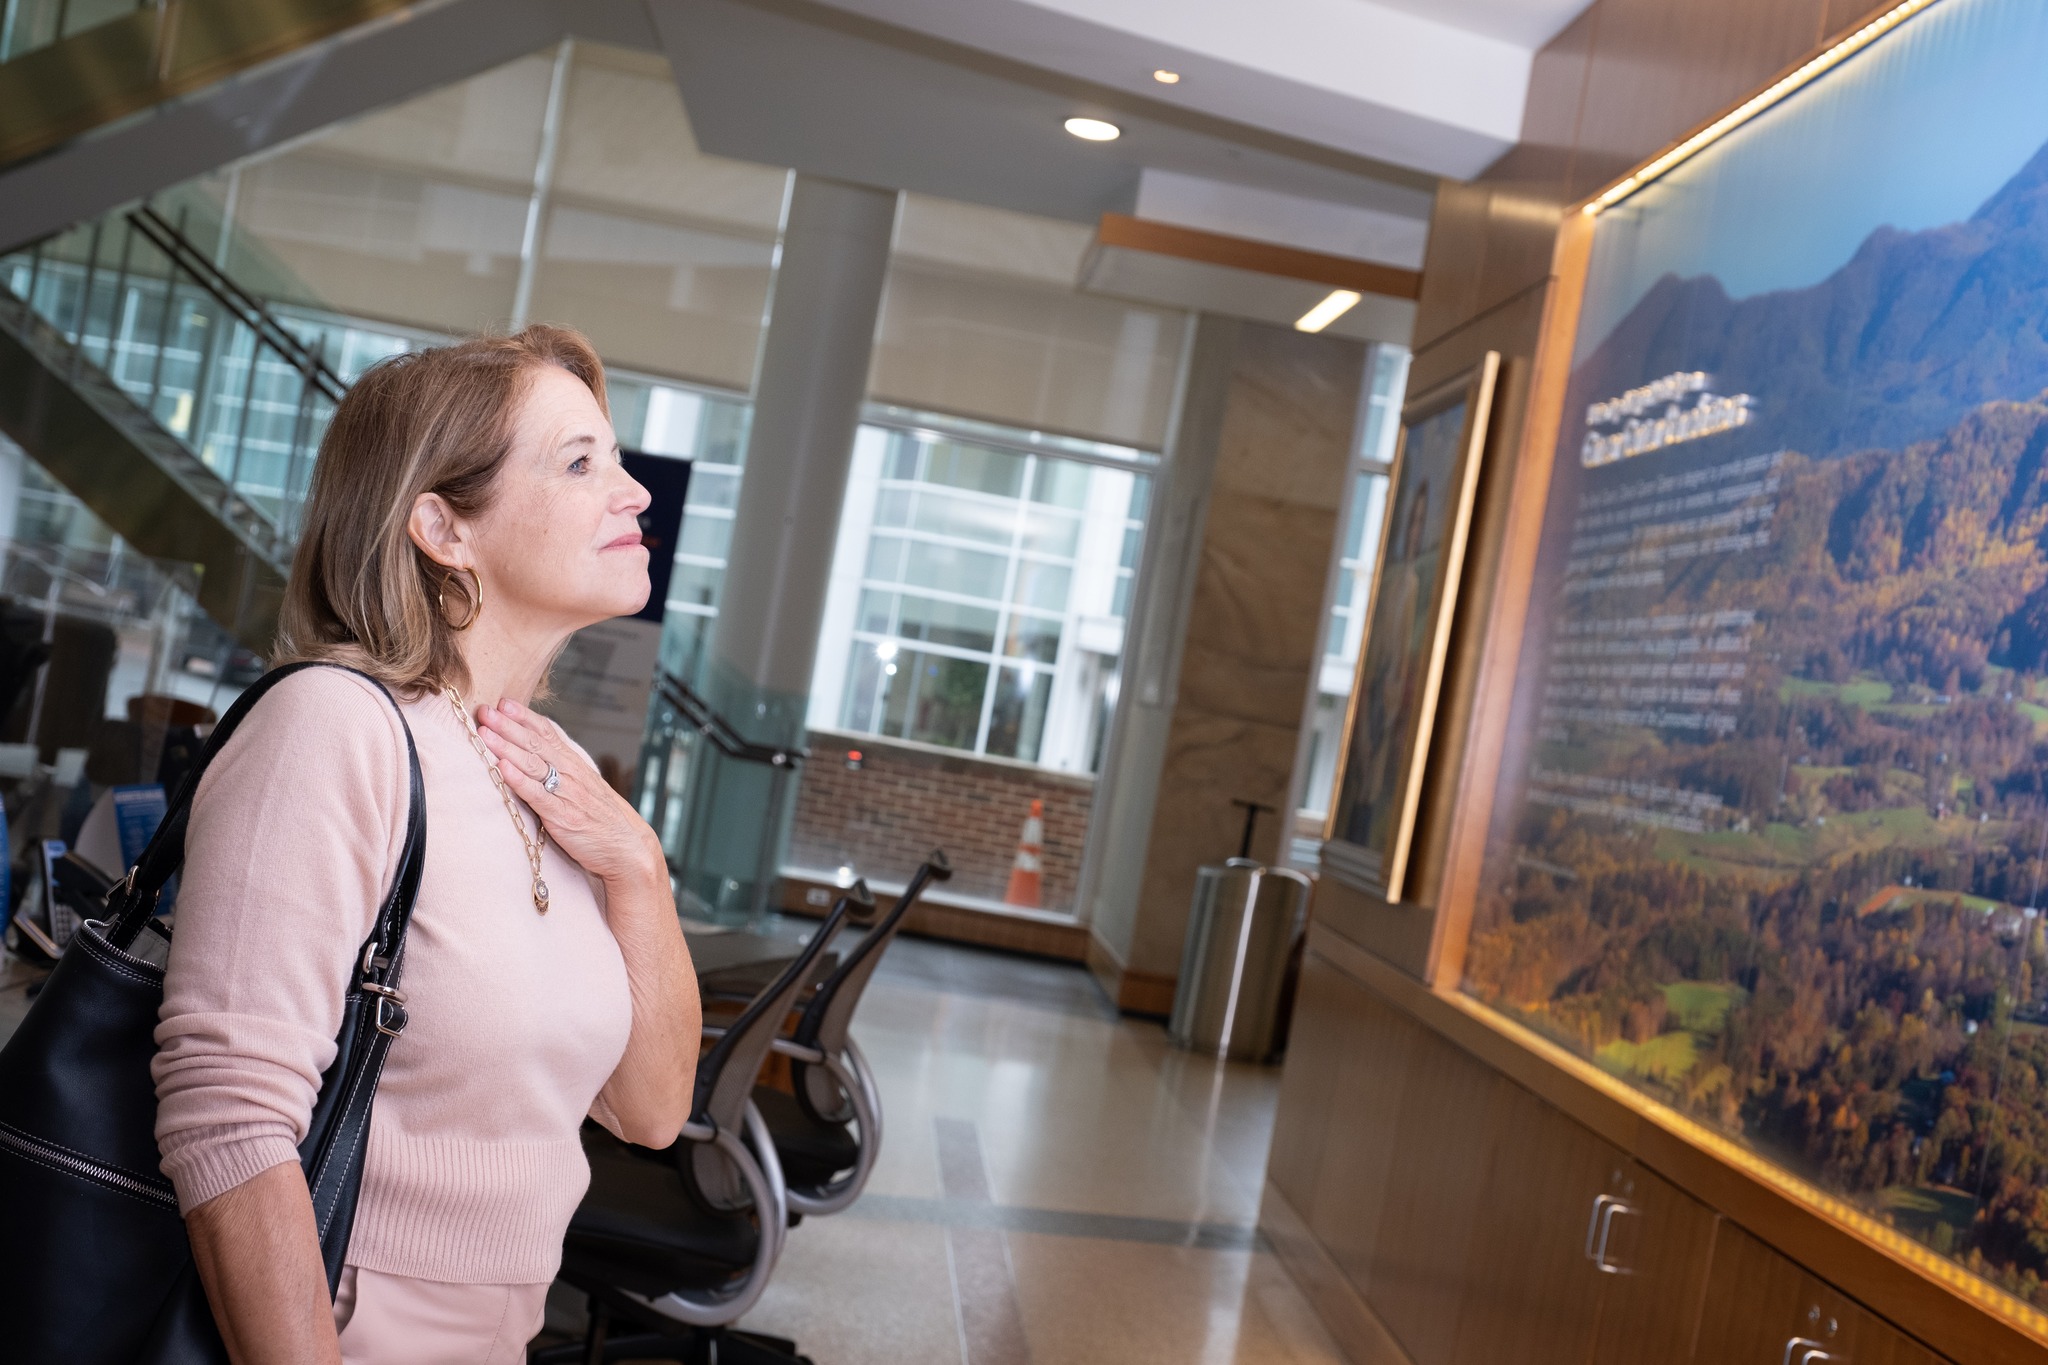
[(580, 465)]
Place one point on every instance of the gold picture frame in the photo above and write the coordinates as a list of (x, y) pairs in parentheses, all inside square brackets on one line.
[(1423, 542)]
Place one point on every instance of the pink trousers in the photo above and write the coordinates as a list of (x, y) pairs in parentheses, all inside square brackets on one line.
[(396, 1320)]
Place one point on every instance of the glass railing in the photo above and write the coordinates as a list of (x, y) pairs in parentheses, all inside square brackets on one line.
[(136, 306), (686, 742)]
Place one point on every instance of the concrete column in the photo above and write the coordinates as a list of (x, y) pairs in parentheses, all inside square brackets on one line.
[(807, 402), (1223, 646)]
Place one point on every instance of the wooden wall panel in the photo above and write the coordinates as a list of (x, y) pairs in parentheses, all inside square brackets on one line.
[(1753, 1300), (1356, 1174), (1550, 115), (1452, 263), (1521, 230), (1659, 69), (1449, 1119), (1839, 15), (1302, 1122), (1531, 1296)]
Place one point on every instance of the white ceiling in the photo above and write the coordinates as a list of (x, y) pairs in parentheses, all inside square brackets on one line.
[(1432, 85), (1525, 23), (833, 94), (1321, 124)]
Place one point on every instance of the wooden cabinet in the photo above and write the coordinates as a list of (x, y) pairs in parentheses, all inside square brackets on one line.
[(1532, 1295), (1434, 1201), (1652, 1246), (1483, 1225), (1583, 1257), (1762, 1309), (1472, 1216)]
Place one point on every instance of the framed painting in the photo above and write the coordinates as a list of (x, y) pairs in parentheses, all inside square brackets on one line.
[(1401, 667)]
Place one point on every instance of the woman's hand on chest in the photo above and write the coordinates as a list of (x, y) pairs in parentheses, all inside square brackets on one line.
[(587, 819)]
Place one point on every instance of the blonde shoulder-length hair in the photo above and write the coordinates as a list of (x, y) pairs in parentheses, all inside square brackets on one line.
[(432, 421)]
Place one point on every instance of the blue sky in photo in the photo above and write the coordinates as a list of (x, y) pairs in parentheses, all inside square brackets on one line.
[(1915, 132)]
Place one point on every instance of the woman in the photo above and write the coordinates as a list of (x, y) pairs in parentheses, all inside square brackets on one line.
[(468, 513)]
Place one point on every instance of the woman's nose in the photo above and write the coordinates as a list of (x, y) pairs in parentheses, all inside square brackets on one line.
[(635, 495)]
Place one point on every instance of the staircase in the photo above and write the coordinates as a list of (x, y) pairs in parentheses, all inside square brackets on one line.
[(169, 400)]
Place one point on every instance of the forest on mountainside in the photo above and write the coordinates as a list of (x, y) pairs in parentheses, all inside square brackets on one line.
[(1845, 963)]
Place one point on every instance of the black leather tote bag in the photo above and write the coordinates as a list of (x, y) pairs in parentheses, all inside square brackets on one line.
[(95, 1267)]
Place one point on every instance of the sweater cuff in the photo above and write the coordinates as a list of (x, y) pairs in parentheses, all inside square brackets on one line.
[(224, 1158)]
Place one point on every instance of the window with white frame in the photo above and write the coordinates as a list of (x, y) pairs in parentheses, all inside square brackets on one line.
[(979, 593)]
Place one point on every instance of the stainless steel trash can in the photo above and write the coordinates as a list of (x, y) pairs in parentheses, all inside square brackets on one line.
[(1233, 969)]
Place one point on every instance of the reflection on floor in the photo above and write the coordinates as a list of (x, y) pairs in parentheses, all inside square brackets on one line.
[(1056, 1185)]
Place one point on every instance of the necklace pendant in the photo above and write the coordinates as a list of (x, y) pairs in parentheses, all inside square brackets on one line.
[(540, 895)]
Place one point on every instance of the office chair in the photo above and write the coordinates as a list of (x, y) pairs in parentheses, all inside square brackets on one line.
[(824, 1166), (687, 1237)]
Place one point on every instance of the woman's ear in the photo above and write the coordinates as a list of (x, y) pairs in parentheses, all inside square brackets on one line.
[(438, 532)]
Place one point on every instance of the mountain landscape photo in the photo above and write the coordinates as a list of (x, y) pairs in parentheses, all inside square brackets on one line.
[(1782, 851)]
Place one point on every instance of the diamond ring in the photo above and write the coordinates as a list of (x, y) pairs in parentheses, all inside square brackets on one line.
[(552, 783)]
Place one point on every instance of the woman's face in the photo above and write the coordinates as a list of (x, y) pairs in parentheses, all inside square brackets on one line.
[(559, 546)]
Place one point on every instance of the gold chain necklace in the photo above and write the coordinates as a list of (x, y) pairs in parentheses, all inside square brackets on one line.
[(534, 844)]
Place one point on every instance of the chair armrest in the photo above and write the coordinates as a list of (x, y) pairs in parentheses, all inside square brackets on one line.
[(789, 1047)]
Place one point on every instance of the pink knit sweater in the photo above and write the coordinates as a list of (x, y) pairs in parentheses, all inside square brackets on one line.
[(517, 1021)]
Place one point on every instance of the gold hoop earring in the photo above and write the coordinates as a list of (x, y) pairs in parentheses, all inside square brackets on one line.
[(475, 604)]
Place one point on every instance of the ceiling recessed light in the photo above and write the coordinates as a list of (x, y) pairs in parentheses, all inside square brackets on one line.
[(1165, 77), (1338, 303), (1094, 130)]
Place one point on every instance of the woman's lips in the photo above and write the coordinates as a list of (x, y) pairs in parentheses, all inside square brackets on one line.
[(628, 541)]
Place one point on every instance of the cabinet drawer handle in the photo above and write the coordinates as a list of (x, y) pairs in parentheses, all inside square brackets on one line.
[(1595, 1223), (1615, 1209), (1810, 1352)]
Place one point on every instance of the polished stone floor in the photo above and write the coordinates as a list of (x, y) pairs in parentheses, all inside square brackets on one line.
[(1057, 1185)]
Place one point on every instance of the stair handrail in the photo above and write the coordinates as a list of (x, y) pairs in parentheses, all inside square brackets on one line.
[(720, 731), (186, 256)]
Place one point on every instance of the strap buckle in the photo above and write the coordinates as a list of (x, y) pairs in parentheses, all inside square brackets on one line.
[(389, 1015)]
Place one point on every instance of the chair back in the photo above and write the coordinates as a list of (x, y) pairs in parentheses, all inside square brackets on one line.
[(726, 1074), (828, 1018)]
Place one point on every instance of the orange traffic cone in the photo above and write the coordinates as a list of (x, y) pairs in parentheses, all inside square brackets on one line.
[(1027, 874)]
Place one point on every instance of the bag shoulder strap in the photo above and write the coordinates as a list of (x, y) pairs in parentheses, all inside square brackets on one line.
[(134, 898)]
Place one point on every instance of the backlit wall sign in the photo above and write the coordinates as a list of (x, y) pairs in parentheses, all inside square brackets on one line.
[(1775, 844)]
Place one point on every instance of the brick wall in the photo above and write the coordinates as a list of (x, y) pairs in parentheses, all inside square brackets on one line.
[(884, 816)]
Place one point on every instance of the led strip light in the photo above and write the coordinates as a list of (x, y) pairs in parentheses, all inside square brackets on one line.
[(1756, 104)]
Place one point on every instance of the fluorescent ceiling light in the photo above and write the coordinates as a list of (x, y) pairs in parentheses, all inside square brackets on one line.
[(1328, 311), (1165, 77), (1094, 130)]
